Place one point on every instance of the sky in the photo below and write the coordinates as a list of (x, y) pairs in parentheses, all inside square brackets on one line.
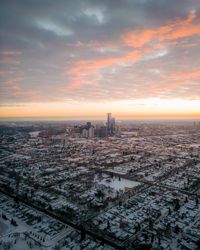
[(84, 58)]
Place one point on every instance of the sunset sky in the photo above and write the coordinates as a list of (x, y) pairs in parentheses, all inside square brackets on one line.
[(70, 58)]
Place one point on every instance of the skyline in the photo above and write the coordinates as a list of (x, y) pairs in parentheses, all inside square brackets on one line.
[(136, 59)]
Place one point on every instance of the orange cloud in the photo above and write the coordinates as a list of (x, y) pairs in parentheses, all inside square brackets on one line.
[(187, 75), (85, 70), (162, 87), (81, 70), (172, 31)]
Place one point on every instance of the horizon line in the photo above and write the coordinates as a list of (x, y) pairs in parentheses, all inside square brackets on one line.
[(97, 118)]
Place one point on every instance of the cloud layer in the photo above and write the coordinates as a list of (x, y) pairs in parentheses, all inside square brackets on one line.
[(99, 51)]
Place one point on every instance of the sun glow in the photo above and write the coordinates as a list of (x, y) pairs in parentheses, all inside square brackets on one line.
[(141, 108)]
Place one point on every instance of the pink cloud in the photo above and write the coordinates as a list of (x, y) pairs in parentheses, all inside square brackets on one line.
[(9, 60), (86, 68), (194, 74), (10, 52), (174, 30)]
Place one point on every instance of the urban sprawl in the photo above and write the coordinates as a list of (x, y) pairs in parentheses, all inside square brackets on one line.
[(100, 185)]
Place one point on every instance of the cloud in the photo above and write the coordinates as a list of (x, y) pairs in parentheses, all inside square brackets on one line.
[(99, 51), (176, 29), (9, 60), (10, 52), (194, 74), (57, 29), (88, 68)]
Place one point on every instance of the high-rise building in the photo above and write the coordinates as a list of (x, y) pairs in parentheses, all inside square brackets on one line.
[(87, 130), (85, 133), (110, 125), (91, 132), (102, 132), (88, 125)]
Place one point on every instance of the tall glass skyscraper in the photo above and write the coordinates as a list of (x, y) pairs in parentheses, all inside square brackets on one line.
[(110, 125)]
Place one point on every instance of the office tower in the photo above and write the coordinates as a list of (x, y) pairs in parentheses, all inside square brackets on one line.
[(110, 125), (102, 132), (91, 132), (85, 133), (88, 125), (112, 128)]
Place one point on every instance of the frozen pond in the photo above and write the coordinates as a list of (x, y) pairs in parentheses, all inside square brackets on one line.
[(34, 133), (116, 182)]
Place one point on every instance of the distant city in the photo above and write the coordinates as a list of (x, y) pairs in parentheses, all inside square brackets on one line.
[(90, 131), (100, 185)]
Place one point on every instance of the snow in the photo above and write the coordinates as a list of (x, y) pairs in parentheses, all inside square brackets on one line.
[(118, 184), (34, 133)]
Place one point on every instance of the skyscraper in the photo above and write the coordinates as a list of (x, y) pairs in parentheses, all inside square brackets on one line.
[(110, 125)]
